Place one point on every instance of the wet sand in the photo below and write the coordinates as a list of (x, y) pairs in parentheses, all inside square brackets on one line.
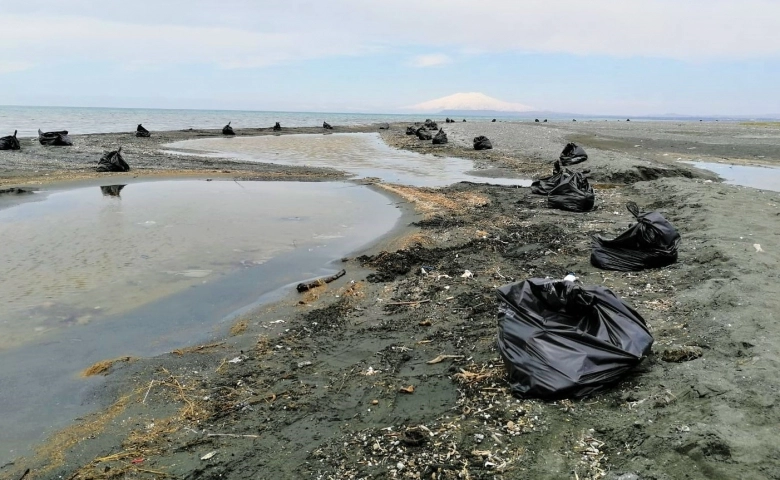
[(317, 385)]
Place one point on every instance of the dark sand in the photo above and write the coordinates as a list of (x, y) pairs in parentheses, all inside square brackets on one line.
[(319, 394)]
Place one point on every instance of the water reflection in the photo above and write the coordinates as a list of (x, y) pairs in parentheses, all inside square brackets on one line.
[(762, 177), (111, 190)]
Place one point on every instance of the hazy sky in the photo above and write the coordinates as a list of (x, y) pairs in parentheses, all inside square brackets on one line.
[(597, 56)]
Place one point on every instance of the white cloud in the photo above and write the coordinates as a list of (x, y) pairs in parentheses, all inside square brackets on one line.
[(431, 60), (246, 34), (11, 67)]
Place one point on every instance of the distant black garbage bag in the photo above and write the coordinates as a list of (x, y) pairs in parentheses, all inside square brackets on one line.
[(112, 162), (423, 134), (440, 138), (430, 124), (277, 127), (142, 132), (384, 126), (561, 339), (327, 126), (228, 130), (482, 143), (10, 142), (573, 193), (55, 139), (651, 243), (410, 130), (572, 154)]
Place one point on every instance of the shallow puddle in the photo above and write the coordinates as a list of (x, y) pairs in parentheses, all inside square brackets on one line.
[(764, 178), (101, 272), (362, 154)]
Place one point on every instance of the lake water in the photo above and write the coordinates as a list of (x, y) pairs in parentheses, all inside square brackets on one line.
[(364, 155), (764, 178), (100, 272)]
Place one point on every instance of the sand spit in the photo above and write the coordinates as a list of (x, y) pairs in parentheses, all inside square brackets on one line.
[(392, 370)]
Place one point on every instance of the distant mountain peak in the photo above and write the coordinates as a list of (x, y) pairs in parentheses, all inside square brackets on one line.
[(470, 101)]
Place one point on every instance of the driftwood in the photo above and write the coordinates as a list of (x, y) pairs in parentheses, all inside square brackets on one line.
[(302, 287)]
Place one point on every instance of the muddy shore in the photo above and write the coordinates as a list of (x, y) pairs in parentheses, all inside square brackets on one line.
[(318, 385)]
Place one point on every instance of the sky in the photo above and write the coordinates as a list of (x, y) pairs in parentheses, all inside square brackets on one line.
[(651, 57)]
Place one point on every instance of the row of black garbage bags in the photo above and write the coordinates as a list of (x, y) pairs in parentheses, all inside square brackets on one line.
[(423, 132), (561, 339)]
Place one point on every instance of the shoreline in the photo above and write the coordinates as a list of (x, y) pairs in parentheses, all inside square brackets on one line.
[(318, 396)]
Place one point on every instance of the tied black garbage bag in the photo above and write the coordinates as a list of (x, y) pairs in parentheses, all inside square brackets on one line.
[(228, 130), (573, 193), (423, 134), (277, 127), (384, 126), (651, 243), (543, 186), (142, 132), (560, 339), (411, 130), (10, 142), (572, 154), (430, 124), (112, 162), (327, 126), (440, 138), (482, 143), (55, 139)]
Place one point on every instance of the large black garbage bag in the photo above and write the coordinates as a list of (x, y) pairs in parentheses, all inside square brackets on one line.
[(561, 339), (573, 193), (543, 186), (482, 143), (277, 127), (142, 132), (55, 139), (10, 142), (440, 138), (411, 130), (651, 243), (112, 162), (572, 153), (327, 126), (423, 134), (430, 124), (228, 130)]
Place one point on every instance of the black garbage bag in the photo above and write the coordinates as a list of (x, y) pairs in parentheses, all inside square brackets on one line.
[(411, 130), (493, 121), (228, 130), (423, 134), (111, 190), (430, 124), (536, 120), (573, 193), (10, 142), (545, 121), (440, 138), (326, 126), (384, 126), (543, 186), (572, 154), (482, 143), (277, 127), (112, 162), (55, 139), (561, 339), (651, 243), (142, 132)]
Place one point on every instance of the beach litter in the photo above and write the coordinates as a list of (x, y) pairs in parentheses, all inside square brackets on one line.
[(482, 143), (55, 139), (573, 193), (142, 132), (560, 339), (112, 162), (651, 243), (305, 286), (440, 138), (228, 130), (10, 142), (572, 154)]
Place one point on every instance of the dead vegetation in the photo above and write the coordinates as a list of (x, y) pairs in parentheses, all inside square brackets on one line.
[(103, 367)]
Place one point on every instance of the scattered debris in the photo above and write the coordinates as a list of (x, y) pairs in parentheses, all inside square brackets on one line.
[(681, 353)]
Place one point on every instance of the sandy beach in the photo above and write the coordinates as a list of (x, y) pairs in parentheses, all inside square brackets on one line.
[(389, 372)]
